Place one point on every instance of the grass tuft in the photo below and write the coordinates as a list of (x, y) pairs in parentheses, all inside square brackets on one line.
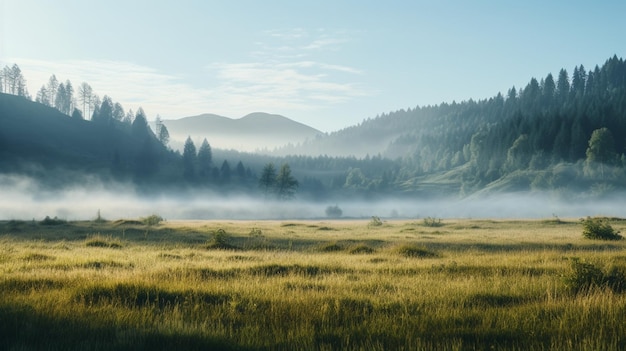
[(104, 242), (361, 249), (416, 251)]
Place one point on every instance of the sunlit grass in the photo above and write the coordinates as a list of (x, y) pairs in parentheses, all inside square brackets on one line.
[(464, 284)]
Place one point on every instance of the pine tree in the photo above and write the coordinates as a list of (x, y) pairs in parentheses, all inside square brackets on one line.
[(189, 159), (205, 159), (225, 172)]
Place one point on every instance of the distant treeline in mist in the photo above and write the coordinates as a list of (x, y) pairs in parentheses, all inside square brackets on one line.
[(560, 133)]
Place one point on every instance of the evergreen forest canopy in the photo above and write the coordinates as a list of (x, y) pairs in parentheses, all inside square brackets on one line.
[(560, 134)]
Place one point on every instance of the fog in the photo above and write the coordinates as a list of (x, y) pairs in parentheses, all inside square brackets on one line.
[(22, 198)]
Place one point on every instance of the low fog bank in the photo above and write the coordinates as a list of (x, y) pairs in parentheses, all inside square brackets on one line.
[(21, 198)]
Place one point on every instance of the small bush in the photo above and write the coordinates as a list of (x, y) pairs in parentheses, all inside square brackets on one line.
[(361, 249), (152, 220), (411, 250), (52, 221), (221, 240), (101, 241), (330, 247), (585, 276), (599, 228), (256, 233), (375, 222), (432, 222)]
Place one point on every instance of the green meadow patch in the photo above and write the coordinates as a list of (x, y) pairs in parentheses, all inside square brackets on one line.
[(332, 285)]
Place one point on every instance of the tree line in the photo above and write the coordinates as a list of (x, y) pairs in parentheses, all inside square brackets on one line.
[(561, 131)]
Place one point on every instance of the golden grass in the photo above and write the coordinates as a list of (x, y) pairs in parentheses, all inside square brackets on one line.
[(317, 285)]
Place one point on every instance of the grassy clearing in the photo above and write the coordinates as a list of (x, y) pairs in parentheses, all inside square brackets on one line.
[(464, 284)]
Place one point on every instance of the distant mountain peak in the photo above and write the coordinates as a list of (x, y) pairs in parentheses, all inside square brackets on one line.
[(254, 131)]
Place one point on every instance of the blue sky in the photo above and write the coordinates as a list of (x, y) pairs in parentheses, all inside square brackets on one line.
[(329, 64)]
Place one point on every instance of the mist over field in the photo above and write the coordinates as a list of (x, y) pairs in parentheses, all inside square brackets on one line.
[(24, 199)]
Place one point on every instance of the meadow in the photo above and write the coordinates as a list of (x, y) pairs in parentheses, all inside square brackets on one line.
[(422, 284)]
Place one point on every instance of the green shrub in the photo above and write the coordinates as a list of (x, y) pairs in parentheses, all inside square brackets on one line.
[(152, 220), (256, 233), (101, 241), (599, 228), (330, 247), (361, 249), (432, 222), (52, 221), (375, 222), (585, 276), (412, 250), (221, 240)]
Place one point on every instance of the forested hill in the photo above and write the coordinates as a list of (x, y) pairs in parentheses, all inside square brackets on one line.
[(39, 140), (552, 125), (557, 113), (563, 134)]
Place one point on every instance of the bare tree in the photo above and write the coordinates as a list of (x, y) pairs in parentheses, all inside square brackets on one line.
[(84, 96), (53, 85)]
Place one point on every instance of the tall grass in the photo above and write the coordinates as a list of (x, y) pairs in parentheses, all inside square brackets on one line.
[(477, 285)]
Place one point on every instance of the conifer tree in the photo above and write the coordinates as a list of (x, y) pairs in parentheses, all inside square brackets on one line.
[(189, 159)]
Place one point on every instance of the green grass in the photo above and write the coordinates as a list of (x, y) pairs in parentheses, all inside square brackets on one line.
[(480, 284)]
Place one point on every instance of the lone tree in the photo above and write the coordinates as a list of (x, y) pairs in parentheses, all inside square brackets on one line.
[(286, 184), (268, 178), (601, 150)]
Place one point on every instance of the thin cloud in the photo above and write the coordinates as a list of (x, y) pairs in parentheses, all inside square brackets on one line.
[(283, 76)]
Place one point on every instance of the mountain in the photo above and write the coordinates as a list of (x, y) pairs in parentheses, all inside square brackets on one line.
[(256, 131)]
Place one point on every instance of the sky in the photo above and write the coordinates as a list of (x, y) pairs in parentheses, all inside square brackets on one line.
[(327, 64)]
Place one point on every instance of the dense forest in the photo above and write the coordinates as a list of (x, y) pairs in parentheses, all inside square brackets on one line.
[(561, 134)]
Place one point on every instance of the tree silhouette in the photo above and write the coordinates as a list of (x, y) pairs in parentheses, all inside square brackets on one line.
[(189, 159), (205, 159), (84, 96), (225, 171), (601, 150), (286, 184), (139, 128), (268, 178)]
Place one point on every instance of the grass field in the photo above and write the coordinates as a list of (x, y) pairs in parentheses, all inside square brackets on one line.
[(308, 285)]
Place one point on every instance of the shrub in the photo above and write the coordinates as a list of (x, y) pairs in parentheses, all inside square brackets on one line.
[(256, 233), (585, 276), (330, 247), (52, 221), (375, 222), (152, 220), (221, 240), (361, 249), (101, 241), (412, 250), (599, 228), (432, 222)]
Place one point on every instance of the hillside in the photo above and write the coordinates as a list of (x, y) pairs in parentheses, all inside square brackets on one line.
[(575, 105), (38, 139), (255, 131)]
